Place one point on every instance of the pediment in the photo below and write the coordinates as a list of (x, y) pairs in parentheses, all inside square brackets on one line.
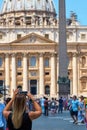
[(33, 39)]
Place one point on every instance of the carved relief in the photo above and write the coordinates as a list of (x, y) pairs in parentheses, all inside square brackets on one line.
[(33, 20), (40, 21), (32, 39)]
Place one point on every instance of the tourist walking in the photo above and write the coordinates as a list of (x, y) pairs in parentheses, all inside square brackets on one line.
[(74, 109), (53, 106), (42, 100), (60, 109), (46, 107)]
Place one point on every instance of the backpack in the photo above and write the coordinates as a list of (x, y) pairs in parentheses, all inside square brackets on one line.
[(53, 103)]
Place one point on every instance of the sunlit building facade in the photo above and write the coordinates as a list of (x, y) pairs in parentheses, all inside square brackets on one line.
[(29, 39)]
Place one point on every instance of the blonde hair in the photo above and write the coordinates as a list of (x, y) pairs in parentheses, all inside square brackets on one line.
[(18, 110)]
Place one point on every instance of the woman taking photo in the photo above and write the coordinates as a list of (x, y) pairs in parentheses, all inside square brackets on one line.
[(19, 118)]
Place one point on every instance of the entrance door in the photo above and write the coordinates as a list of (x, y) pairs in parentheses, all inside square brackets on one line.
[(33, 87), (47, 90)]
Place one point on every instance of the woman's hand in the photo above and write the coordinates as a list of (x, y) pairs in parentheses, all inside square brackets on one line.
[(15, 92), (30, 96)]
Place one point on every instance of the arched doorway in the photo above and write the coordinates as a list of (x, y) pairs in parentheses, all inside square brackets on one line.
[(47, 89)]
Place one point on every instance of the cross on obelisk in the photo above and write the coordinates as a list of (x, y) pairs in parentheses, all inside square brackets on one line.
[(63, 58)]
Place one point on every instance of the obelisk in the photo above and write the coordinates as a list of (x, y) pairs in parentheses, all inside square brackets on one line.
[(62, 50)]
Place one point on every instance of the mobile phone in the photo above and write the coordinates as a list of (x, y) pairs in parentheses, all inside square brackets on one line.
[(23, 92)]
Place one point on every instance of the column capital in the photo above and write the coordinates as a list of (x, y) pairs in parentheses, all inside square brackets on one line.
[(53, 54), (74, 54), (25, 54), (7, 55), (13, 54), (41, 54)]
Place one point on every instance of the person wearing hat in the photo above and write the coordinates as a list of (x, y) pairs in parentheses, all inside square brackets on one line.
[(2, 118)]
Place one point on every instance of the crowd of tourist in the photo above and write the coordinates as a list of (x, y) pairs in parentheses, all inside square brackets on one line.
[(76, 106)]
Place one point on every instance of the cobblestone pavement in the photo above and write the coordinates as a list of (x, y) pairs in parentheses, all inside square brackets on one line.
[(57, 122)]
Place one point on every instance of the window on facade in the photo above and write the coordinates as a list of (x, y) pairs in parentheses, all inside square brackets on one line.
[(68, 36), (46, 73), (0, 74), (83, 36), (19, 63), (83, 61), (83, 84), (1, 61), (28, 22), (32, 61), (0, 36), (19, 73), (1, 84), (18, 36), (47, 90), (17, 24), (47, 36), (46, 62)]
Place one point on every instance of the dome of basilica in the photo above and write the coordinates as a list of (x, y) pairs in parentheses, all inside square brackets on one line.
[(30, 5), (28, 13)]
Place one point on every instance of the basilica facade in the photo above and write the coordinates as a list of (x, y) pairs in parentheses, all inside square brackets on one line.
[(29, 39)]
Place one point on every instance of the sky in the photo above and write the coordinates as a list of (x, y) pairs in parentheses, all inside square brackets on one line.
[(77, 6)]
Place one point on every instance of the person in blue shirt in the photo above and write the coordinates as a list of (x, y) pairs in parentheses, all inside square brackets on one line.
[(81, 112), (74, 108), (2, 118)]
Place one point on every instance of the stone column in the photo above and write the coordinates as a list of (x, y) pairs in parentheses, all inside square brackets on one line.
[(71, 87), (53, 76), (7, 71), (57, 75), (37, 88), (78, 64), (13, 68), (75, 71), (25, 73), (41, 75), (29, 84)]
